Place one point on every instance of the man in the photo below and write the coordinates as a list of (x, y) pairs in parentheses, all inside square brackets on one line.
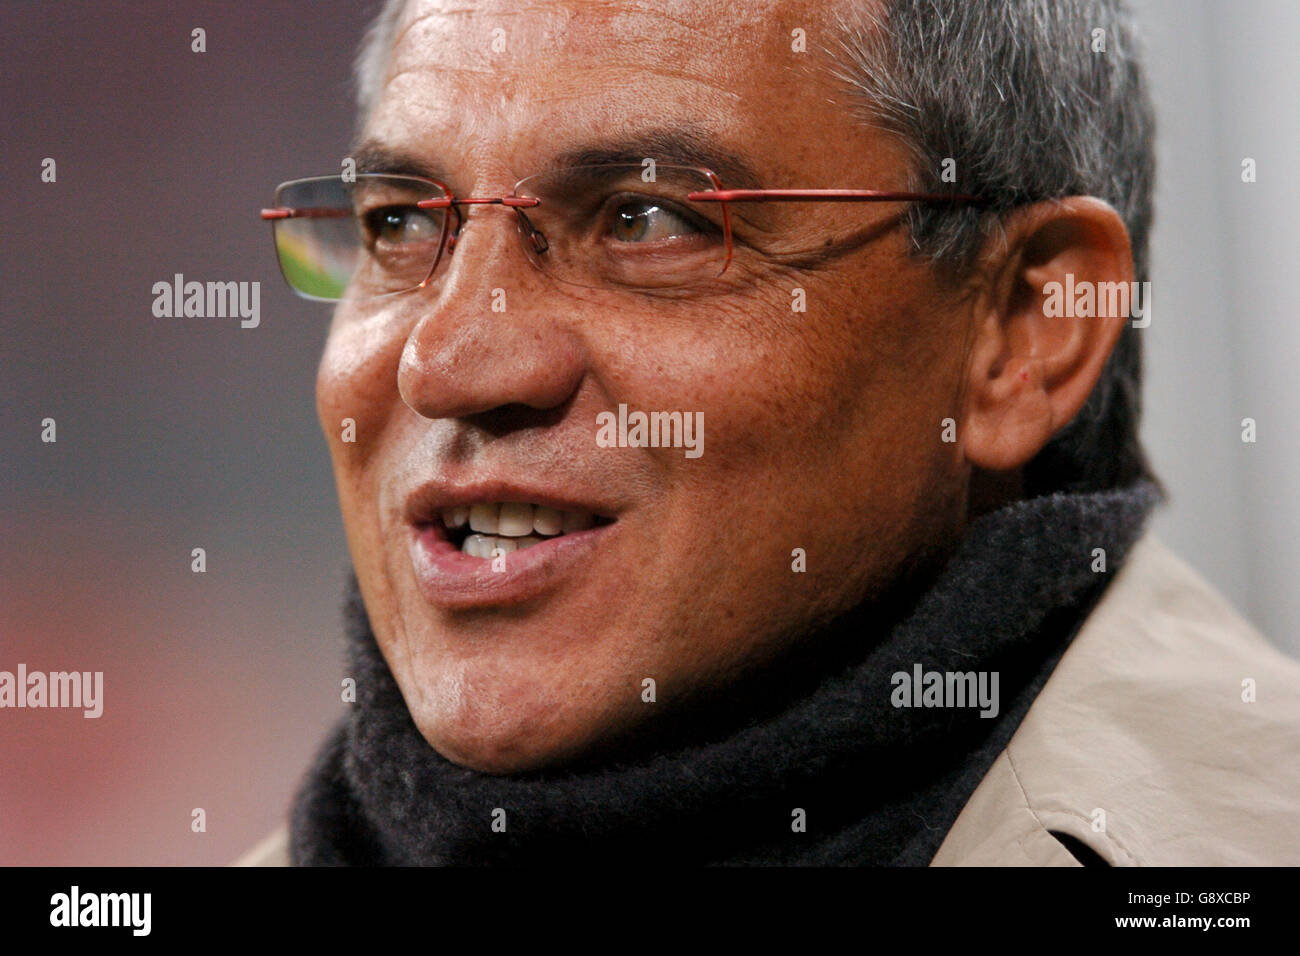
[(697, 525)]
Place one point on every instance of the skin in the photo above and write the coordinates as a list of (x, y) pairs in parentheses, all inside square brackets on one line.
[(822, 428)]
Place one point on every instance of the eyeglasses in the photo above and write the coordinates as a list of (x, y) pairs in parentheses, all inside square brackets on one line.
[(638, 227)]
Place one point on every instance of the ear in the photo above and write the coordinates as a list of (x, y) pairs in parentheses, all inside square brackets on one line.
[(1035, 357)]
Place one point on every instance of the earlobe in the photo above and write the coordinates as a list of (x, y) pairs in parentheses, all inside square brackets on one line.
[(1035, 358)]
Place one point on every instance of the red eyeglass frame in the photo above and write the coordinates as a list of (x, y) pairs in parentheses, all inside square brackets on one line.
[(717, 194)]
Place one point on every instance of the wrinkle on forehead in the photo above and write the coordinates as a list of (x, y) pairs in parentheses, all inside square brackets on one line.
[(571, 68), (722, 41), (561, 57)]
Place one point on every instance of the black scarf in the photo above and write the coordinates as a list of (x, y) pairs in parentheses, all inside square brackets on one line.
[(876, 784)]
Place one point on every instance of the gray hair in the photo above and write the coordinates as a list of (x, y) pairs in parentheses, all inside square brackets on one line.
[(1014, 93), (372, 58), (1033, 100)]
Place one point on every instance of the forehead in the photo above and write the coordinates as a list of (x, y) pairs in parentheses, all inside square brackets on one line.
[(508, 80), (706, 43)]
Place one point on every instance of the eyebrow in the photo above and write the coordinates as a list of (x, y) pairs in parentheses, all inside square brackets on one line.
[(374, 157), (674, 147)]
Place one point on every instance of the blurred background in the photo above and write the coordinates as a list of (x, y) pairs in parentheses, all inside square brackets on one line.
[(175, 434)]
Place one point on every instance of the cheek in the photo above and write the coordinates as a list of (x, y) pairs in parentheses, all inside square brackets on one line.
[(871, 360), (356, 389), (884, 363), (827, 419)]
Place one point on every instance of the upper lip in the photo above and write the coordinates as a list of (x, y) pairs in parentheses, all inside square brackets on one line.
[(425, 504)]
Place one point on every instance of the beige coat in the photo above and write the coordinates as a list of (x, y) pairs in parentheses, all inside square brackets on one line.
[(1144, 744)]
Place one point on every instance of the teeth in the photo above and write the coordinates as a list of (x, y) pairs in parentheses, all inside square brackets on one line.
[(455, 517), (486, 545), (547, 520), (485, 518), (516, 519), (511, 525)]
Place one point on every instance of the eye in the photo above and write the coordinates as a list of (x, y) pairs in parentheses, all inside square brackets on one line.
[(399, 226), (644, 220)]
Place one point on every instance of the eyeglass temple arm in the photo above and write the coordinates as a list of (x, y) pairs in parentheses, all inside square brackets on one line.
[(822, 195), (284, 212), (445, 202), (703, 195)]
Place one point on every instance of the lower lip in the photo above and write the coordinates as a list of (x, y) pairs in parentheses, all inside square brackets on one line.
[(452, 579)]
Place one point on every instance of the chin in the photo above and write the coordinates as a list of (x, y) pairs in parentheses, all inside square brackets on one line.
[(497, 754), (504, 734)]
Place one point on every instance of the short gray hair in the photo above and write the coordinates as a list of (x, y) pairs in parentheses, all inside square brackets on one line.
[(372, 58), (1018, 95), (1033, 100)]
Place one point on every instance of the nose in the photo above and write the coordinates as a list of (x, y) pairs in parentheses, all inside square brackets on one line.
[(491, 331)]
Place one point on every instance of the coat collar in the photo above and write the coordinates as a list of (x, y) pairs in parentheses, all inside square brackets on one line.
[(1143, 745)]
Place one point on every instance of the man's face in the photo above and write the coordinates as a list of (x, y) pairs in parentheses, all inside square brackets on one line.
[(821, 427)]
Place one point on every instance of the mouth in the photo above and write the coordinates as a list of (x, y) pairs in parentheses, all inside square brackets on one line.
[(498, 546), (489, 529)]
